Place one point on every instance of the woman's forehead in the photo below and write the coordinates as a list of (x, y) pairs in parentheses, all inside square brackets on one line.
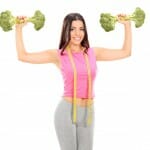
[(77, 23)]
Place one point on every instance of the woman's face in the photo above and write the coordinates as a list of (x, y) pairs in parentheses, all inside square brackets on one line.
[(77, 32)]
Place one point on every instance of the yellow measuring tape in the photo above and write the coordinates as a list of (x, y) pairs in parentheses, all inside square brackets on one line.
[(74, 86), (89, 120)]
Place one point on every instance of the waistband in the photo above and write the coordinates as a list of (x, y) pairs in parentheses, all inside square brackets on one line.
[(84, 102)]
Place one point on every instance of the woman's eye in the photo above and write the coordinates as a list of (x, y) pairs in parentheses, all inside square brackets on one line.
[(72, 29)]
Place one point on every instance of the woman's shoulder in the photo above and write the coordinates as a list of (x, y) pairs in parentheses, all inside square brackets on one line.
[(91, 50)]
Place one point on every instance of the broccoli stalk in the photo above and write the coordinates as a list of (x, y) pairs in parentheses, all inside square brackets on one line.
[(7, 20), (108, 21)]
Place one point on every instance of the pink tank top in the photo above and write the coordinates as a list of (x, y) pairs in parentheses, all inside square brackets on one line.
[(82, 76)]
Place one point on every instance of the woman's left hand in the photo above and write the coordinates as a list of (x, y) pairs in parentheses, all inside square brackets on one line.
[(122, 19)]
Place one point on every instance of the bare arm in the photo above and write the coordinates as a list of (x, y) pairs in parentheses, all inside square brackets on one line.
[(113, 54), (46, 56)]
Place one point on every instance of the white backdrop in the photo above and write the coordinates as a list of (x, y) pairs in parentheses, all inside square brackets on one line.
[(29, 93)]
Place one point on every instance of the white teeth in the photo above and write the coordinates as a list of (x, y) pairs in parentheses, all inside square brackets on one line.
[(77, 38)]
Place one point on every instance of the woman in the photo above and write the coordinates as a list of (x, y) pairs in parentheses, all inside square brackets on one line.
[(74, 116)]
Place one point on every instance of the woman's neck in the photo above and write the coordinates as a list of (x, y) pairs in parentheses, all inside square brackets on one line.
[(75, 48)]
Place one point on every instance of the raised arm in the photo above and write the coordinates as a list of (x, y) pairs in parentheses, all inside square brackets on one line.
[(46, 56), (113, 54)]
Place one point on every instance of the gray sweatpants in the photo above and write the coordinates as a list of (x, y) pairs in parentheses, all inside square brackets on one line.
[(71, 136)]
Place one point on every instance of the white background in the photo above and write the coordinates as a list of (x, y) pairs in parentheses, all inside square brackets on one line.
[(29, 93)]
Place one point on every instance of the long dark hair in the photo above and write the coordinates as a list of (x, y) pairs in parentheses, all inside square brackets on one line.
[(65, 33)]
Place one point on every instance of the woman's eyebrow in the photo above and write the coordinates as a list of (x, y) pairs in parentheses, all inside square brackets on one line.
[(77, 27)]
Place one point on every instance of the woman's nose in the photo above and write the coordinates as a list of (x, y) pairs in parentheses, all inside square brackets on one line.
[(77, 32)]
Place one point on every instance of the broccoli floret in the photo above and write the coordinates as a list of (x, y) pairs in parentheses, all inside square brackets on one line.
[(38, 20), (108, 21), (138, 16), (7, 20)]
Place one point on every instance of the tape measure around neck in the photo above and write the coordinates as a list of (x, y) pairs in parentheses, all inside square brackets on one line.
[(75, 87)]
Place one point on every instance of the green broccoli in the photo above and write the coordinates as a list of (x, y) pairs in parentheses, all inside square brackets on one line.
[(138, 16), (38, 20), (7, 20), (108, 21)]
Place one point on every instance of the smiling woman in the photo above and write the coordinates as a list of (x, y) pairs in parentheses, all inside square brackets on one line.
[(74, 116), (77, 33)]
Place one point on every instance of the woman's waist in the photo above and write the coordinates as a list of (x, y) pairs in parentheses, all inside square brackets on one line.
[(80, 101), (82, 94)]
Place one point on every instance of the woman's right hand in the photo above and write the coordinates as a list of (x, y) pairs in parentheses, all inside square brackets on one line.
[(21, 21), (121, 19)]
